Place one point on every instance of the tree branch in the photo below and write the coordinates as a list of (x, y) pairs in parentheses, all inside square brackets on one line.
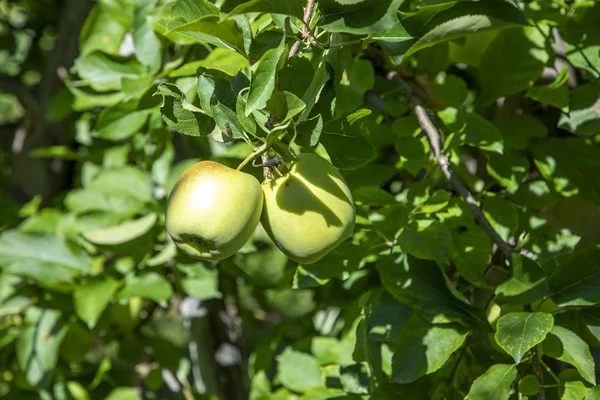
[(434, 139), (308, 11), (535, 364), (560, 61)]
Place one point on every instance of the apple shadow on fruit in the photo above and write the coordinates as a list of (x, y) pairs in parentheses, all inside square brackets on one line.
[(296, 197), (324, 181)]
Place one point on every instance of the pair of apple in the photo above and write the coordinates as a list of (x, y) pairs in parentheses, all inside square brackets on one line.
[(213, 210)]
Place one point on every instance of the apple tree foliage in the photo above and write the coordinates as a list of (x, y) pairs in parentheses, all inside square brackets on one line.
[(485, 292)]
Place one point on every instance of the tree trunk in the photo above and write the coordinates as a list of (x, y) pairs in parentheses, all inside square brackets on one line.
[(32, 176)]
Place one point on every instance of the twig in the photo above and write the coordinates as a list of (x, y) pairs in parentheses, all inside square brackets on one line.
[(535, 365), (537, 370), (561, 61), (266, 171), (255, 153), (434, 138), (308, 11)]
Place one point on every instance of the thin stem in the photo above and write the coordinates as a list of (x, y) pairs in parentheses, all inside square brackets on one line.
[(561, 61), (550, 372), (255, 153), (308, 11), (266, 171), (535, 364), (348, 43), (187, 393), (434, 139), (537, 370)]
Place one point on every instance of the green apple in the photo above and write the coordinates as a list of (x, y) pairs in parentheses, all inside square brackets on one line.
[(213, 210), (309, 211)]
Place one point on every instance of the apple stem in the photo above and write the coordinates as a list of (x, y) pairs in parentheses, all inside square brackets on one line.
[(266, 170), (255, 153)]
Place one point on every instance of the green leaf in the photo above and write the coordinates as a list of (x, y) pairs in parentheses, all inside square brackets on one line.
[(59, 152), (220, 59), (263, 80), (315, 89), (517, 332), (438, 201), (592, 320), (91, 298), (583, 118), (124, 393), (120, 122), (348, 152), (149, 285), (346, 257), (355, 378), (329, 350), (84, 200), (308, 132), (536, 195), (527, 284), (395, 41), (471, 248), (200, 282), (518, 130), (38, 345), (298, 371), (470, 130), (296, 76), (572, 385), (247, 122), (219, 101), (127, 180), (283, 106), (529, 385), (575, 276), (358, 17), (284, 7), (265, 267), (201, 288), (387, 318), (509, 65), (555, 94), (565, 345), (180, 115), (569, 175), (427, 239), (509, 169), (423, 348), (123, 191), (585, 57), (146, 43), (593, 394), (46, 258), (466, 19), (494, 384), (191, 10), (452, 90), (104, 29), (502, 214), (351, 86), (123, 233), (422, 285), (209, 29), (414, 154), (373, 196), (103, 72)]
